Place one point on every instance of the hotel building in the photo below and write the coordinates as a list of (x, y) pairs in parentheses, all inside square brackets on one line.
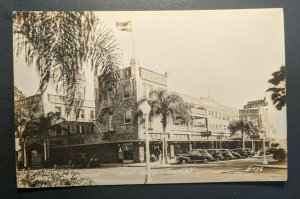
[(125, 140)]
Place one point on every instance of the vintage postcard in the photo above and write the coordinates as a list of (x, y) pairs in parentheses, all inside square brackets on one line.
[(152, 97)]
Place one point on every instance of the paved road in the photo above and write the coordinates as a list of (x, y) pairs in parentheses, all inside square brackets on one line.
[(223, 171)]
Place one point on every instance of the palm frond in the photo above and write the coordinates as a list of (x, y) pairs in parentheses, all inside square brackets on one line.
[(61, 44)]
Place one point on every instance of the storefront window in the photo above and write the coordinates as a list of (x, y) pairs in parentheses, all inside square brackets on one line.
[(128, 151)]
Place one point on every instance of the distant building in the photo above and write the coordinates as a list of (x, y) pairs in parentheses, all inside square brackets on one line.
[(65, 136), (257, 112)]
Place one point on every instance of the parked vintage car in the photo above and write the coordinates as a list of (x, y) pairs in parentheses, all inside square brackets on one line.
[(242, 152), (227, 154), (83, 160), (195, 155), (235, 154), (217, 155), (250, 152), (271, 150)]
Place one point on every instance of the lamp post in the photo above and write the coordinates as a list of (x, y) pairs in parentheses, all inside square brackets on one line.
[(243, 138), (264, 148), (264, 137), (145, 107)]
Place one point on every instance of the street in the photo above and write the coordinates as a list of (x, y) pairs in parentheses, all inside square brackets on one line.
[(222, 171)]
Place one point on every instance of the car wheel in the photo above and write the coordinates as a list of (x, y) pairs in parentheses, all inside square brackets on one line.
[(88, 165), (183, 161), (205, 160), (217, 159)]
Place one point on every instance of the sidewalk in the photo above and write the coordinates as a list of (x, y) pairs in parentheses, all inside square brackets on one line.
[(157, 164)]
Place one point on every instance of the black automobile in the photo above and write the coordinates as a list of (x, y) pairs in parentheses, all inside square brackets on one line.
[(216, 154), (242, 152), (195, 155), (235, 154), (226, 154), (83, 160), (271, 150), (249, 152)]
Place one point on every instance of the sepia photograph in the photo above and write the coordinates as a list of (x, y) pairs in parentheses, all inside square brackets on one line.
[(149, 97)]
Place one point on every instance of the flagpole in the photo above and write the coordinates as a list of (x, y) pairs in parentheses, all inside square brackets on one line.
[(132, 43), (207, 82), (132, 37)]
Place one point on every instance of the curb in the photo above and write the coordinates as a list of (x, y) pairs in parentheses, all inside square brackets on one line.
[(271, 166)]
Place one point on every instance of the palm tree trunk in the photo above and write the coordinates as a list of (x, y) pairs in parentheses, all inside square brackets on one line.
[(45, 151), (163, 149), (243, 140), (166, 149)]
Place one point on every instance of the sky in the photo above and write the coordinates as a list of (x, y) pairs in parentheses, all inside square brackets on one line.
[(228, 55)]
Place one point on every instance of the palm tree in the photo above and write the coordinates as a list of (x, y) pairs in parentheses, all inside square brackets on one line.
[(243, 126), (278, 90), (61, 45), (164, 106)]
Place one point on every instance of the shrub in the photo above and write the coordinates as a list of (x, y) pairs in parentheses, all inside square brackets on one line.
[(280, 155), (51, 178)]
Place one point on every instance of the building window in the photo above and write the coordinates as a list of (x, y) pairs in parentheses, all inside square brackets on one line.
[(92, 129), (82, 129), (34, 109), (77, 129), (126, 91), (128, 117), (82, 113), (58, 111), (92, 115)]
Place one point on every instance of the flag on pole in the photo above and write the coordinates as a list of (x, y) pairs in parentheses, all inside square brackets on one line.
[(124, 26)]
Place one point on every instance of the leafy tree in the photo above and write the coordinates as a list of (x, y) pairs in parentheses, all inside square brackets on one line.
[(61, 45), (278, 90), (21, 114), (40, 126), (21, 118), (164, 106), (243, 126)]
